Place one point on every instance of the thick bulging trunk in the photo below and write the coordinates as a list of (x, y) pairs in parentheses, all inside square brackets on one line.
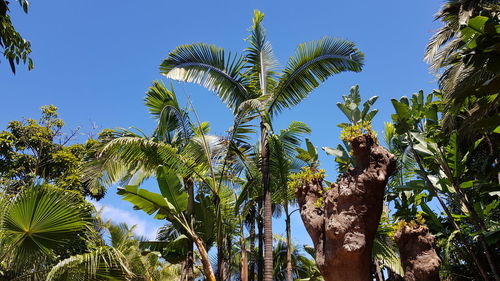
[(418, 256), (342, 220), (205, 260)]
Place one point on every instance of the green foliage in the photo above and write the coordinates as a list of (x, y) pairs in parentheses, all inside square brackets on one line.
[(39, 225), (309, 156), (32, 150), (15, 47), (359, 120), (306, 176), (441, 163)]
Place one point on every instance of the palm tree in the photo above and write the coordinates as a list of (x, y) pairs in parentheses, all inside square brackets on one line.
[(252, 81), (40, 226), (282, 148), (303, 267), (211, 163)]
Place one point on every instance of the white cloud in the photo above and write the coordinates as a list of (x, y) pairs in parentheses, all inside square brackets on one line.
[(117, 215)]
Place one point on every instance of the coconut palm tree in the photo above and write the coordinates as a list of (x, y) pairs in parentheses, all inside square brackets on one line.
[(252, 81)]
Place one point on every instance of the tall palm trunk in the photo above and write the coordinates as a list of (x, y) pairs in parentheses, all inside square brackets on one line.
[(288, 245), (220, 257), (251, 269), (244, 259), (190, 213), (205, 260), (260, 257), (268, 227)]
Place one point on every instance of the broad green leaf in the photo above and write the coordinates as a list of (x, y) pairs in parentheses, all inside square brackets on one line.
[(171, 187), (467, 184), (147, 201)]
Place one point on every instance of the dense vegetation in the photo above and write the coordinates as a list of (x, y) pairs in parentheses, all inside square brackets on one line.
[(425, 207)]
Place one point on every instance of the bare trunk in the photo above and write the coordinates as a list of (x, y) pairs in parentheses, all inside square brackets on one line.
[(268, 224), (205, 260), (342, 220), (190, 213), (229, 253), (418, 256), (221, 264), (251, 269), (288, 245), (244, 260), (260, 258)]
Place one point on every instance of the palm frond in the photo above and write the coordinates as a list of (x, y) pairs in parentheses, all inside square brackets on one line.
[(292, 136), (312, 64), (259, 57), (208, 66), (40, 221), (103, 263), (163, 105)]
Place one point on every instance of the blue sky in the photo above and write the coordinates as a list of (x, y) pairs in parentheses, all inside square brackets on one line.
[(95, 59)]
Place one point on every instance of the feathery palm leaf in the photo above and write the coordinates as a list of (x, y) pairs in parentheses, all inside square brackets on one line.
[(103, 263), (312, 64), (208, 66)]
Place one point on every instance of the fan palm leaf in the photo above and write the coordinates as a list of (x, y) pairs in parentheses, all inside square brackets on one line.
[(40, 221)]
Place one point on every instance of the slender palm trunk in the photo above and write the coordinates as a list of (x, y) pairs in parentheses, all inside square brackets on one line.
[(260, 258), (205, 260), (268, 224), (251, 270), (288, 244), (190, 213), (244, 259), (229, 254), (220, 258)]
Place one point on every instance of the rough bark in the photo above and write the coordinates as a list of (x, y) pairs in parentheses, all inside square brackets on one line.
[(343, 223), (418, 256)]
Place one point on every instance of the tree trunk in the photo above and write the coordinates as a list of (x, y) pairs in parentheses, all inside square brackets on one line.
[(342, 220), (244, 260), (221, 264), (190, 213), (268, 219), (288, 245), (251, 270), (205, 260), (418, 256), (260, 258), (229, 253)]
